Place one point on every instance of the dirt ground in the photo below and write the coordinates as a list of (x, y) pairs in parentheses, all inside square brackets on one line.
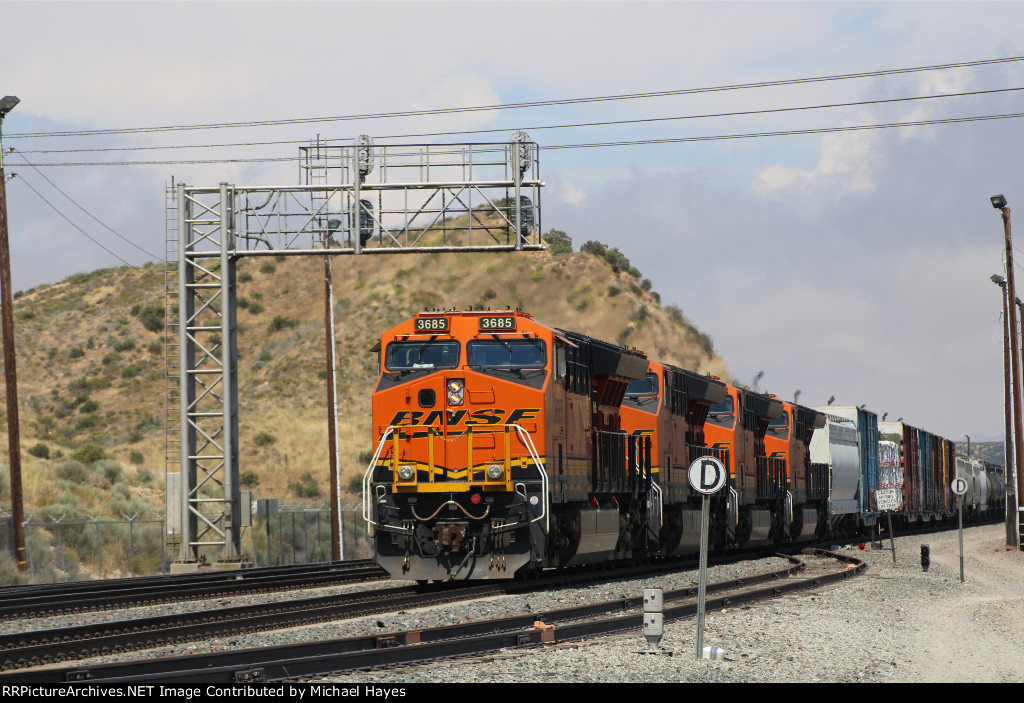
[(970, 632)]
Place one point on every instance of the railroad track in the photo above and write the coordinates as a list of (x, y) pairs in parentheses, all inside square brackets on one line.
[(32, 648), (18, 602), (312, 659)]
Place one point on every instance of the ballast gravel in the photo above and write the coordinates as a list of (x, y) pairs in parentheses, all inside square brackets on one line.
[(895, 623)]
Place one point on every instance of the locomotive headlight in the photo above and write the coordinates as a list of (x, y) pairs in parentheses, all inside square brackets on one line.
[(456, 391), (406, 473), (495, 472)]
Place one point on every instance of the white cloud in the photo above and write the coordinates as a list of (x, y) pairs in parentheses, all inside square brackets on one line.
[(846, 164)]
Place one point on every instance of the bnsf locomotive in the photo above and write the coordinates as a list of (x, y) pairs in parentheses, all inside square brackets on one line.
[(504, 446)]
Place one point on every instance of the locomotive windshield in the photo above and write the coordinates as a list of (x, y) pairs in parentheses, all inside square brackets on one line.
[(646, 386), (409, 356), (722, 414), (779, 427), (510, 354)]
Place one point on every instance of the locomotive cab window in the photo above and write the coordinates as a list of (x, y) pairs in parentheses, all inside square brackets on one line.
[(560, 362), (723, 414), (507, 354), (414, 356), (646, 386), (779, 427)]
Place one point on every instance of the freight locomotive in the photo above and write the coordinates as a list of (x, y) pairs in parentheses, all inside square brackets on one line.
[(504, 446)]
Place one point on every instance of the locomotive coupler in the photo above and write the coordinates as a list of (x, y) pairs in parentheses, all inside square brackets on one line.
[(449, 537)]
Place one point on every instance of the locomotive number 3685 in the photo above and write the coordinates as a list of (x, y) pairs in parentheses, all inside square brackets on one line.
[(497, 323)]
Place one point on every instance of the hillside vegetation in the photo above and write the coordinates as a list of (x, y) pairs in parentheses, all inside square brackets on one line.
[(91, 365)]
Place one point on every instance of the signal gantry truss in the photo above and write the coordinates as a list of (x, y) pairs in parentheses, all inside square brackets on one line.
[(353, 199)]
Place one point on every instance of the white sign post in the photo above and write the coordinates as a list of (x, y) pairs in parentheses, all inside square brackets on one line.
[(707, 476), (887, 500), (959, 487)]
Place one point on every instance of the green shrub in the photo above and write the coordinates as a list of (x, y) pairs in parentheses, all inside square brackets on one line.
[(40, 450), (89, 454), (248, 479), (76, 353), (72, 470), (264, 439), (267, 267), (281, 322), (111, 470), (88, 406), (136, 457), (152, 318), (558, 242), (9, 574), (244, 277), (124, 345), (355, 484), (305, 487)]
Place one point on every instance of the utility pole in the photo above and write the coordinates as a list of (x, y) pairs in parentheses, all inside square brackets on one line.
[(999, 203), (10, 373), (332, 394), (1012, 537)]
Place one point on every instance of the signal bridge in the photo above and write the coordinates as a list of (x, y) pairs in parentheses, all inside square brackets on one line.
[(352, 199)]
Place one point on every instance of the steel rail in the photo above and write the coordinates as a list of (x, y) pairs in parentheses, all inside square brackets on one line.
[(318, 658), (24, 649), (126, 593), (65, 588)]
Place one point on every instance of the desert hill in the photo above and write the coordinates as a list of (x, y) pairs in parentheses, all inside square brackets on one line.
[(90, 361)]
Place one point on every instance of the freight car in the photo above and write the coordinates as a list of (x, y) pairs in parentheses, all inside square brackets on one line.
[(504, 446)]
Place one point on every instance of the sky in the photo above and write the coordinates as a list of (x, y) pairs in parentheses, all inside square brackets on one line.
[(852, 264)]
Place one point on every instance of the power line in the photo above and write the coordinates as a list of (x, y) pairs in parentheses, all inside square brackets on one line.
[(785, 133), (743, 113), (58, 189), (591, 145), (516, 106), (41, 197)]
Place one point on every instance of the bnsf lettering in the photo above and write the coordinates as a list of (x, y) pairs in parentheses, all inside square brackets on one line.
[(484, 416)]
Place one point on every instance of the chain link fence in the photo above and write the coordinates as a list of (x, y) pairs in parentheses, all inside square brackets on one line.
[(61, 549)]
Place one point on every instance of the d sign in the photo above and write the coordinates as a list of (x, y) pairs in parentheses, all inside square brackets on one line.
[(707, 475)]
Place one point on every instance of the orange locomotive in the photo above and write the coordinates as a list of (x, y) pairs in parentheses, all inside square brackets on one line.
[(499, 448), (670, 405), (805, 492), (769, 469)]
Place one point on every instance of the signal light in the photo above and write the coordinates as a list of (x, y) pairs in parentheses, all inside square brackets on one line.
[(475, 499), (365, 221), (525, 216)]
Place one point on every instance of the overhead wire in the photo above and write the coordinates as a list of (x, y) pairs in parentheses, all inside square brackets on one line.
[(87, 235), (587, 145), (514, 106), (606, 123), (76, 204)]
